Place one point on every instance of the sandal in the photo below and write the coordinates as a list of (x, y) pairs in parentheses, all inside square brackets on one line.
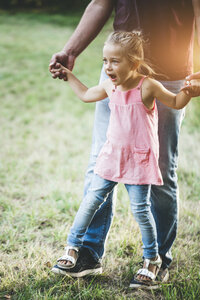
[(148, 284), (67, 257)]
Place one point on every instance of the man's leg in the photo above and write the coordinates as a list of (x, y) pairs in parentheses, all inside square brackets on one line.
[(165, 198)]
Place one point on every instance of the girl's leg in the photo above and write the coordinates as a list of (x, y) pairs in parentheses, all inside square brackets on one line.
[(140, 206), (96, 195), (96, 235)]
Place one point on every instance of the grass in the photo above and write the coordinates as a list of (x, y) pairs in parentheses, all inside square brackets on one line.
[(44, 149)]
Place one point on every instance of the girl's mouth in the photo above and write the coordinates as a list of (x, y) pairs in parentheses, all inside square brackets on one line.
[(112, 77)]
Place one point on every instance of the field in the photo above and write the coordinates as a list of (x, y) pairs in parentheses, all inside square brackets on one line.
[(45, 139)]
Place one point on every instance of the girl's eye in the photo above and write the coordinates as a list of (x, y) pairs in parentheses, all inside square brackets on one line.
[(104, 61)]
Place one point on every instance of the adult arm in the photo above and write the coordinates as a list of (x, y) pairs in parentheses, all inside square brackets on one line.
[(196, 7), (193, 76), (192, 84), (95, 16)]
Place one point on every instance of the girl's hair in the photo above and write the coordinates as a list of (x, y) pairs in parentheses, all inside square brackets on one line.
[(133, 44)]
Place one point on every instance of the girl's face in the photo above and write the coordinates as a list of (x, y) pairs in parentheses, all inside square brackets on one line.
[(117, 66)]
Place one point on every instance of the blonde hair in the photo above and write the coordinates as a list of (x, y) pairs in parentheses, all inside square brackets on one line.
[(133, 44)]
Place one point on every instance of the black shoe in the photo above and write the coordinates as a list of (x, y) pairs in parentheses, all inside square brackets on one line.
[(85, 265)]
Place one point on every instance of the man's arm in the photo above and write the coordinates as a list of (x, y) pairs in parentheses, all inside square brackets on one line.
[(92, 21), (192, 84), (196, 7)]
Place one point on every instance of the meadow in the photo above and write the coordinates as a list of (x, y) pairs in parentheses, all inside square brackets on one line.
[(45, 139)]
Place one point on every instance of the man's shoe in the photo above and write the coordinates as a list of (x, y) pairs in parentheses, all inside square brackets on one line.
[(85, 265)]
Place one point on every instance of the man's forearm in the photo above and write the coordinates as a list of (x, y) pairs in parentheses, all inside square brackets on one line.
[(196, 7), (92, 21)]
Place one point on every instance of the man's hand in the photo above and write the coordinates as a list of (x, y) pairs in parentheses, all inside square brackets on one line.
[(192, 85), (60, 71), (96, 14), (193, 76), (63, 59)]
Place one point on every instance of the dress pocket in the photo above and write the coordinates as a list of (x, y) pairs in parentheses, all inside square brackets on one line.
[(141, 156)]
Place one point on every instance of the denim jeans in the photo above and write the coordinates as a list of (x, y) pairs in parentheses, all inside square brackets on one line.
[(164, 199), (140, 205)]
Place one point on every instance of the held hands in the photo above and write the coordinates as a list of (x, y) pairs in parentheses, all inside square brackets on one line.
[(192, 85), (60, 72), (58, 59)]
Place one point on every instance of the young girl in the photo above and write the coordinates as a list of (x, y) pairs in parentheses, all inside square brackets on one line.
[(130, 154)]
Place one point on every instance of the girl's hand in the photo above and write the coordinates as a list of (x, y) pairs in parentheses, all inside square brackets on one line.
[(59, 58), (60, 72), (192, 88)]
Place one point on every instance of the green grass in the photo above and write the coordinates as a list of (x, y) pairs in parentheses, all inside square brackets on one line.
[(44, 149)]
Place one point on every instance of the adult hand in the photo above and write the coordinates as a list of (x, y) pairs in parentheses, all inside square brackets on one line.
[(61, 70), (64, 59), (192, 87), (96, 14), (193, 76)]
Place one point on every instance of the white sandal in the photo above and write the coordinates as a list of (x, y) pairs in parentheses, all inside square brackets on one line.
[(68, 257), (149, 284)]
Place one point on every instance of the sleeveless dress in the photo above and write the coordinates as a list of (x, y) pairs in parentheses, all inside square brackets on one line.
[(131, 152)]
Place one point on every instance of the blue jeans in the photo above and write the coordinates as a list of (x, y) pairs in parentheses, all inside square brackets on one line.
[(164, 198), (140, 205)]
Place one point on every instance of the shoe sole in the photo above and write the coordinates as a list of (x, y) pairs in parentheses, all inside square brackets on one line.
[(77, 275)]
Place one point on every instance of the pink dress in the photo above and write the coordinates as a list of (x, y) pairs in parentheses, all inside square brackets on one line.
[(131, 151)]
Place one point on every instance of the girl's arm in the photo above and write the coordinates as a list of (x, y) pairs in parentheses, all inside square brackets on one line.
[(168, 98), (92, 94)]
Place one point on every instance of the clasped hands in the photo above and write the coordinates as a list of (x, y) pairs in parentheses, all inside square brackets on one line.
[(59, 71), (192, 85)]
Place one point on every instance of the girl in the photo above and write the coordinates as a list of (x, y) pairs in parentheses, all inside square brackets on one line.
[(130, 154)]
